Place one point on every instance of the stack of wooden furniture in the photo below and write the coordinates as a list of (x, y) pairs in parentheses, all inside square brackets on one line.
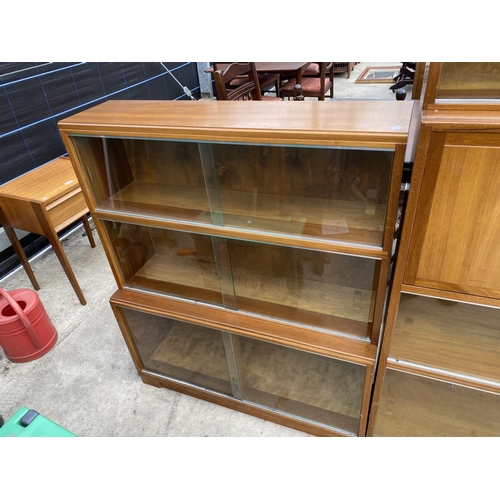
[(439, 371), (254, 249), (251, 244)]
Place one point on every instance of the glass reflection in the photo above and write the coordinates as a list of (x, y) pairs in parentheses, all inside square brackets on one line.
[(334, 194), (319, 289), (183, 351), (469, 80), (171, 262), (439, 333), (327, 193), (414, 406), (310, 386)]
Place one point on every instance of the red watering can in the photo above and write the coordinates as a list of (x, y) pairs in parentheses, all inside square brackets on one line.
[(26, 332)]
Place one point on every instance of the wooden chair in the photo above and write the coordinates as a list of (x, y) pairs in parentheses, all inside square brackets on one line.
[(249, 88), (312, 70), (266, 80), (312, 86)]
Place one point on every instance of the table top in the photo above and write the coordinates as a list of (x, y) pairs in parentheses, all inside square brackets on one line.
[(269, 67), (280, 67), (44, 184)]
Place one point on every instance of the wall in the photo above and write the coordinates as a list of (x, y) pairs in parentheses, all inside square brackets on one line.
[(35, 96)]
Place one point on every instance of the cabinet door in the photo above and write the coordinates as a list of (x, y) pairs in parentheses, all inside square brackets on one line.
[(165, 261), (330, 193), (454, 244), (323, 290), (177, 349), (321, 389), (327, 193), (309, 386)]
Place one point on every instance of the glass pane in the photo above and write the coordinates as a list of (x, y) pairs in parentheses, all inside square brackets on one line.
[(186, 352), (439, 333), (324, 290), (328, 193), (469, 80), (417, 406), (333, 194), (145, 177), (307, 385), (171, 262)]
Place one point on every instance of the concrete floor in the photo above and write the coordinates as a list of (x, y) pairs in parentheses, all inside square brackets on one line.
[(87, 383), (347, 88)]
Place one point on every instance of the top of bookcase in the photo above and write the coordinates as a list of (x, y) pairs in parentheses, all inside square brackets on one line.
[(345, 123)]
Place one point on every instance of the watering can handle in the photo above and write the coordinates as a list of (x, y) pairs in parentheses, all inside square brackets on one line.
[(22, 317)]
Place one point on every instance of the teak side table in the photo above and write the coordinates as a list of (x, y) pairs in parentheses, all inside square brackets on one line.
[(45, 201)]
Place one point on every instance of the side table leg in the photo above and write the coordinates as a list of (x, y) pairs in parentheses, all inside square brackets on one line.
[(51, 235), (18, 248), (88, 231)]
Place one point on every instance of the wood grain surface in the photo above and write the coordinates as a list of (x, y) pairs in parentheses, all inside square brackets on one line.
[(364, 123)]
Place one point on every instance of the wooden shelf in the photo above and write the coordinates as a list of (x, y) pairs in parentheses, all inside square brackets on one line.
[(452, 336), (417, 406), (325, 304)]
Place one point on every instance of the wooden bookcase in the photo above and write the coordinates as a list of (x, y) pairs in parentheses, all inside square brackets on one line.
[(251, 244), (439, 373)]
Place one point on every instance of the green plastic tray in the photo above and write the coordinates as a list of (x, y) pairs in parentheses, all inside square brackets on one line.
[(29, 423)]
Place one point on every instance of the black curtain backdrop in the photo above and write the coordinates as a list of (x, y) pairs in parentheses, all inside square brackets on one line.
[(35, 96)]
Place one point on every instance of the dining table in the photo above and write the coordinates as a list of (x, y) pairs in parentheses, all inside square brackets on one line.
[(284, 69)]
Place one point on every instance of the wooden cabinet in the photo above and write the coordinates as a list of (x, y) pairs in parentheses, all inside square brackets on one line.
[(251, 244), (439, 372)]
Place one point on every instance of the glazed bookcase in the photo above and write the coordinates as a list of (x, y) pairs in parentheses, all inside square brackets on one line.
[(439, 371), (251, 244)]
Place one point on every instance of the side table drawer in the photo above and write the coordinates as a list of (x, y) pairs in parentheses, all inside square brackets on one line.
[(67, 209)]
